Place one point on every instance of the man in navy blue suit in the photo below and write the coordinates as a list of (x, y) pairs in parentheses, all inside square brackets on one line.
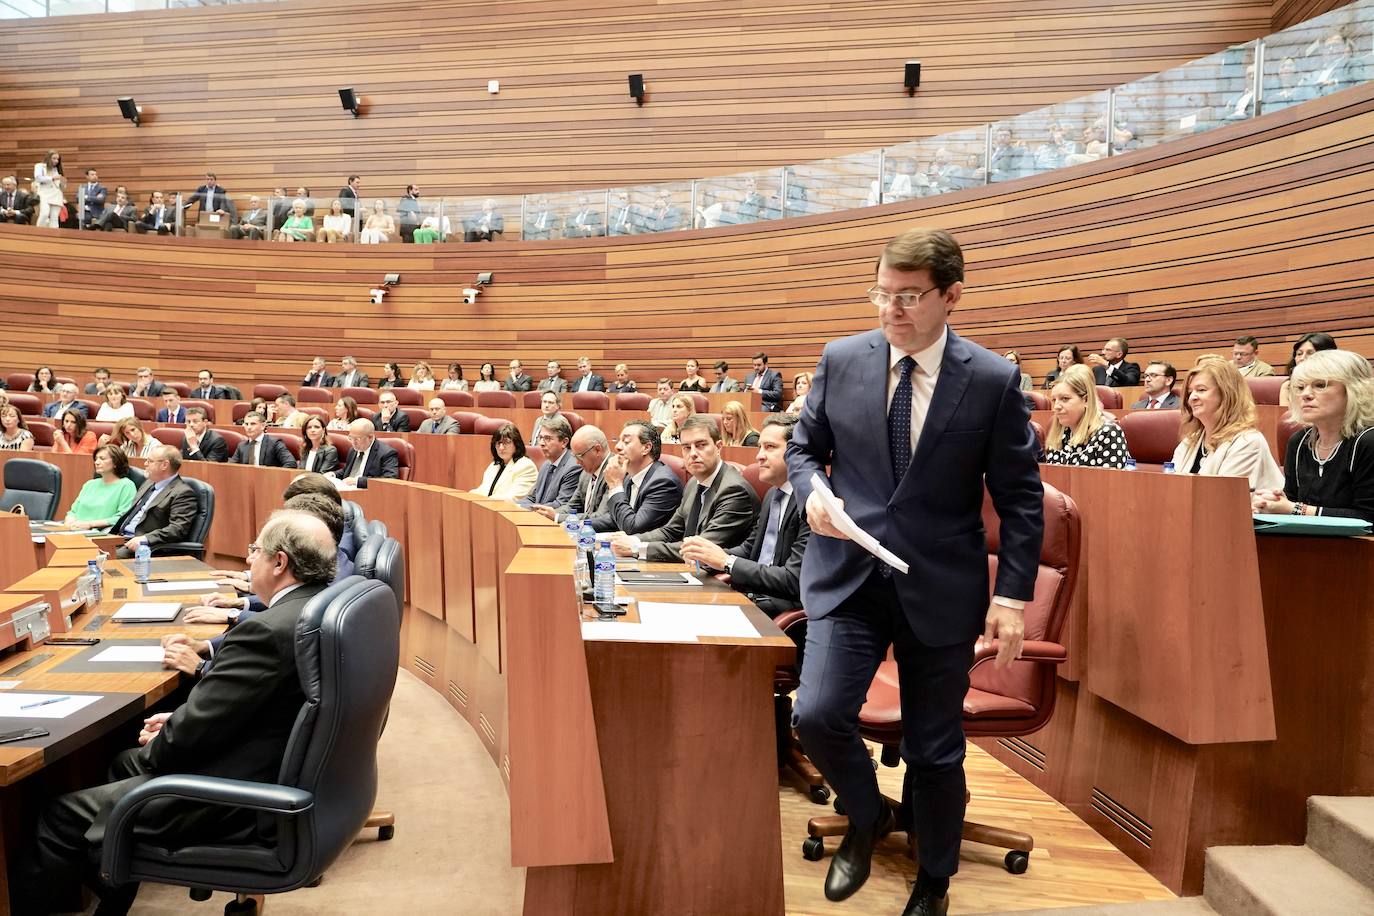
[(767, 382), (955, 422), (171, 410)]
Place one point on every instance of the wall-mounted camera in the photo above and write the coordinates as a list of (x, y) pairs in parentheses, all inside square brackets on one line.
[(377, 296), (470, 295)]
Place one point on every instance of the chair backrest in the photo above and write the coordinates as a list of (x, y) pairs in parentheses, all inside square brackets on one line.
[(751, 474), (270, 392), (101, 428), (292, 441), (532, 399), (355, 519), (700, 400), (205, 516), (467, 420), (180, 388), (1109, 397), (239, 411), (18, 381), (456, 398), (632, 401), (591, 400), (416, 415), (1039, 433), (361, 395), (232, 438), (143, 409), (1287, 430), (1266, 390), (35, 485), (574, 419), (137, 476), (1038, 399), (93, 407), (405, 452), (676, 466), (485, 426), (321, 412), (409, 397), (1151, 435), (384, 560), (497, 399), (341, 444), (170, 435), (231, 393), (188, 403), (30, 405), (347, 654), (311, 395), (43, 432)]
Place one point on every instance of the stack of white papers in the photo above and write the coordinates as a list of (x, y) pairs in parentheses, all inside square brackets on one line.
[(845, 524), (129, 654), (147, 611), (663, 622), (185, 585)]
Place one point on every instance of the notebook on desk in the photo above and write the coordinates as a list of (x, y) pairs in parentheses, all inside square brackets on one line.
[(632, 577), (1311, 525), (147, 612)]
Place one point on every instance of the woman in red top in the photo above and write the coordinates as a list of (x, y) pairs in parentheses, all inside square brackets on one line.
[(74, 438)]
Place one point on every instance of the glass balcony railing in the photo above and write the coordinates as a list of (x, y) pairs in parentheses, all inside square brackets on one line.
[(1323, 55), (33, 9)]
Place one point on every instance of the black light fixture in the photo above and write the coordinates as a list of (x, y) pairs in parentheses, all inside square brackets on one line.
[(130, 110), (912, 78), (637, 88), (349, 100)]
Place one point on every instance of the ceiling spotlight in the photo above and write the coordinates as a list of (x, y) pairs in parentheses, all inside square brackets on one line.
[(130, 110), (349, 100)]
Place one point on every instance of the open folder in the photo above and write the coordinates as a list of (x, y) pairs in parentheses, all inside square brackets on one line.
[(1311, 525)]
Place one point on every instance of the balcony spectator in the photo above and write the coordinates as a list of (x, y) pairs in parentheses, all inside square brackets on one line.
[(118, 215), (298, 227), (16, 205), (380, 226), (338, 224)]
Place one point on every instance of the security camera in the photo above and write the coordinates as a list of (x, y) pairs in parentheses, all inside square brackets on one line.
[(377, 295), (391, 280), (470, 295)]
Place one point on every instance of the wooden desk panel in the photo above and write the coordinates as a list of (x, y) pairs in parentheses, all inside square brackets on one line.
[(456, 541), (424, 547), (235, 525), (17, 557)]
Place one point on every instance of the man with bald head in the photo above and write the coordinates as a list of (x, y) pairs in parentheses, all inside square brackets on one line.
[(369, 458), (165, 508), (591, 450), (235, 724), (439, 422)]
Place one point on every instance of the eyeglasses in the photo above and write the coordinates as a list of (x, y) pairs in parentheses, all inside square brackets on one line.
[(1316, 386), (882, 298), (253, 548), (585, 452), (1152, 375)]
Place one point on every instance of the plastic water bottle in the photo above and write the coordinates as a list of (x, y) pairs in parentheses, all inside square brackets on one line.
[(143, 562), (572, 525), (93, 577), (586, 543), (1130, 464), (604, 591), (1168, 467)]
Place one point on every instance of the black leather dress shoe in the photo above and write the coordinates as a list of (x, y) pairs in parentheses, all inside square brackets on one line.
[(924, 903), (850, 865)]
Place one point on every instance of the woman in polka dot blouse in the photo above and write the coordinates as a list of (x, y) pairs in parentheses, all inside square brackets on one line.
[(1082, 435)]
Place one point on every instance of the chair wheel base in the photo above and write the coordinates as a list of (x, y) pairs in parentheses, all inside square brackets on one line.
[(200, 894), (386, 832), (813, 849), (247, 907), (1017, 861), (317, 882), (819, 794)]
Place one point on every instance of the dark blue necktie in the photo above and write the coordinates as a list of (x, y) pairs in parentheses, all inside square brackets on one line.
[(770, 531), (899, 422)]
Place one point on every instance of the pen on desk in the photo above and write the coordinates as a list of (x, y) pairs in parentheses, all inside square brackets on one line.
[(44, 702)]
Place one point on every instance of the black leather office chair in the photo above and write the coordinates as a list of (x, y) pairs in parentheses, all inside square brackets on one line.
[(194, 545), (355, 521), (134, 474), (347, 651), (383, 559), (35, 485)]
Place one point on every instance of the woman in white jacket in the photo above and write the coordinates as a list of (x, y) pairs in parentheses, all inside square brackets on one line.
[(48, 183), (1218, 437)]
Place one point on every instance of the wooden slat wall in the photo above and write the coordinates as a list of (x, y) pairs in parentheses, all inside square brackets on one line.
[(250, 91), (1263, 227), (1289, 12)]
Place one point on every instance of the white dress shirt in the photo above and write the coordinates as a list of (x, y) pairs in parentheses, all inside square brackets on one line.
[(923, 379)]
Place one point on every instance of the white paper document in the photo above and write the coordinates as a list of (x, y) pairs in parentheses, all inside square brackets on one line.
[(614, 630), (129, 654), (845, 524), (185, 585), (155, 611), (42, 705)]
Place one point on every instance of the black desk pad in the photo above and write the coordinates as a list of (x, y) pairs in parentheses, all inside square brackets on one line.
[(81, 727), (81, 663)]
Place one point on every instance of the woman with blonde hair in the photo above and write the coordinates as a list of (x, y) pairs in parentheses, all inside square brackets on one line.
[(116, 406), (735, 428), (380, 225), (1081, 434), (1218, 436), (1329, 468), (128, 435), (421, 377), (338, 225), (680, 409), (801, 384)]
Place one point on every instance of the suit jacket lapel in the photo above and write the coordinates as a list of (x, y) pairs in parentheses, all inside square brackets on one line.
[(949, 391), (873, 379)]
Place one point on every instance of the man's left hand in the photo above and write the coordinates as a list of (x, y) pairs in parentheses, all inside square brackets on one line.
[(132, 544), (1008, 626), (707, 553)]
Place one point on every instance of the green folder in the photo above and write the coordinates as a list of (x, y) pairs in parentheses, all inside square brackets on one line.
[(1311, 525)]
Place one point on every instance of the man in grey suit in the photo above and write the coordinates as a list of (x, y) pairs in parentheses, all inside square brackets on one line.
[(642, 492), (1159, 378), (717, 504), (592, 452), (723, 382), (438, 422), (956, 425), (555, 381), (165, 508), (349, 376), (517, 380), (559, 474)]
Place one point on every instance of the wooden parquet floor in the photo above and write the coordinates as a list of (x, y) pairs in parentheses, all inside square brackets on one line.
[(1071, 865)]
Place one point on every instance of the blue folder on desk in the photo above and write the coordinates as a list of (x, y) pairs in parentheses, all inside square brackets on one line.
[(1311, 525)]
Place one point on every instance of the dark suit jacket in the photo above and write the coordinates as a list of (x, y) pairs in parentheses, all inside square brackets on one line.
[(658, 500), (1126, 375), (164, 417), (318, 380), (214, 393), (155, 389), (772, 390), (211, 201), (327, 463), (170, 516), (238, 718), (977, 431), (93, 198), (272, 454), (348, 199), (594, 383), (774, 588), (360, 381), (149, 218), (727, 515), (382, 461), (590, 496), (524, 383), (52, 409), (556, 482), (399, 423), (1170, 402), (24, 203), (212, 448)]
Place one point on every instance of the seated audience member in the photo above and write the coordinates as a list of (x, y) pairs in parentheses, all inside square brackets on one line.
[(1338, 67), (486, 379), (517, 380), (280, 206), (664, 217), (455, 380), (44, 381), (584, 222), (389, 417), (16, 205), (735, 428), (767, 566), (1080, 435), (369, 458), (682, 408), (751, 207), (206, 389), (201, 443), (132, 439), (1329, 466), (767, 382), (510, 475), (723, 516), (145, 386), (623, 384), (66, 402), (345, 412), (421, 377), (723, 383), (260, 448), (350, 376), (260, 405), (72, 437), (801, 384), (236, 723), (661, 407), (164, 509), (171, 410), (642, 492), (694, 380), (91, 196), (380, 226), (1314, 342), (391, 376), (116, 406), (337, 225), (1245, 354), (1291, 89), (298, 227), (318, 454), (14, 432), (1014, 358), (558, 476), (428, 233), (540, 220), (1243, 105), (283, 414), (486, 225), (107, 496), (303, 195), (318, 376), (1054, 153), (549, 403), (625, 216), (254, 222), (1158, 378), (554, 380), (586, 379), (1218, 434), (1110, 366), (100, 380), (439, 422), (158, 217), (117, 215), (1065, 357), (591, 451)]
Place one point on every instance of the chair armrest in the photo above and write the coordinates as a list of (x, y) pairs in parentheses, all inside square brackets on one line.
[(1032, 650), (118, 846), (179, 547), (789, 618)]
